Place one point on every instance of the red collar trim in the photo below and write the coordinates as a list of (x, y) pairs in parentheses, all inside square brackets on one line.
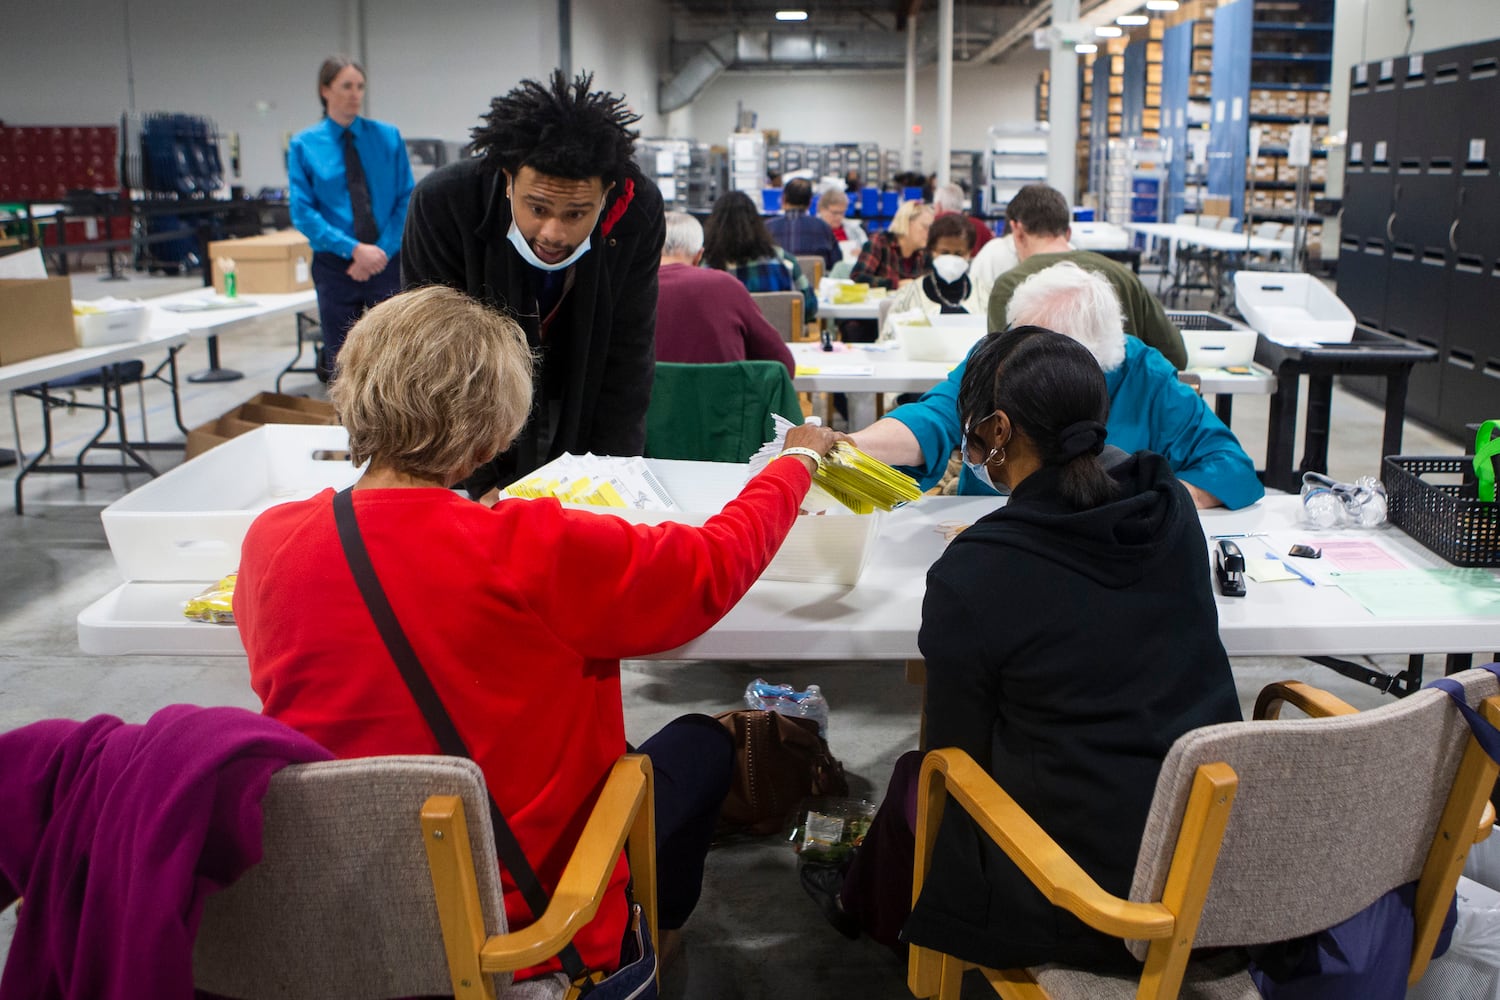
[(627, 194)]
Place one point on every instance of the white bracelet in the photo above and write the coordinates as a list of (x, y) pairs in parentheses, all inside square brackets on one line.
[(817, 459)]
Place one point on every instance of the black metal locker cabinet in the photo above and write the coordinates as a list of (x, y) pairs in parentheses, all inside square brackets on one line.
[(1423, 194), (1364, 248), (1471, 362)]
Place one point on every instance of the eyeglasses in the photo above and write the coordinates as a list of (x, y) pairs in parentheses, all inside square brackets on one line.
[(972, 443)]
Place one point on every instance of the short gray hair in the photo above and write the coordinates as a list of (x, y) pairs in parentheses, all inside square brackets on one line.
[(684, 235), (948, 198), (1073, 301), (431, 383), (832, 192)]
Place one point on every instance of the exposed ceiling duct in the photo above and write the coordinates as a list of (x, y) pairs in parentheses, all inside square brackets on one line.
[(700, 69)]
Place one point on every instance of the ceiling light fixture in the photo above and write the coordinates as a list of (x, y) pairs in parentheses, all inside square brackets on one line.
[(801, 15), (1109, 31), (1161, 4), (1132, 20), (1084, 48)]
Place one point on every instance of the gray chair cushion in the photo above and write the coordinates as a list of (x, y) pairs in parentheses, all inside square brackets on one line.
[(1222, 977), (1330, 814), (341, 906)]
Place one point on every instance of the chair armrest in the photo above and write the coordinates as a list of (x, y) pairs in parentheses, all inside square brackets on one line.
[(1040, 857), (583, 881), (1312, 701)]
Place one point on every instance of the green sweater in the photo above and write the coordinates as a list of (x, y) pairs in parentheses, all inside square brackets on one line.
[(1143, 314)]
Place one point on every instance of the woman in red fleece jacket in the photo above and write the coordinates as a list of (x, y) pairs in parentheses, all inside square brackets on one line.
[(519, 613)]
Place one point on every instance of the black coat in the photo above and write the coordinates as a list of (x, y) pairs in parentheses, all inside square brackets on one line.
[(598, 359), (1066, 651)]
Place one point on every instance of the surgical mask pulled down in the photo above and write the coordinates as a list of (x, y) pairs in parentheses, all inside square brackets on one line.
[(980, 470), (950, 267)]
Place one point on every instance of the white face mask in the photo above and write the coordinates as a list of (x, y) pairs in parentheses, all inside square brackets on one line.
[(950, 267), (529, 255), (981, 471)]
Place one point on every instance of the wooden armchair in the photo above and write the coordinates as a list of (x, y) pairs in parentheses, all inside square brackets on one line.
[(1259, 832), (783, 310), (379, 879)]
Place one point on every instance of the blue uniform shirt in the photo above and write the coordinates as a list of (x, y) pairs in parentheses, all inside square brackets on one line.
[(1149, 409), (319, 193)]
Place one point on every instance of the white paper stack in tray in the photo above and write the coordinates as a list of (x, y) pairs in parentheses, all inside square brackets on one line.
[(830, 547)]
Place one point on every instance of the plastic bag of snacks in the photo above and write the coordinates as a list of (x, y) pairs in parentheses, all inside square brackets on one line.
[(829, 830), (214, 604)]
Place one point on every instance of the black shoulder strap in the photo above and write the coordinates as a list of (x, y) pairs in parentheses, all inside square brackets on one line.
[(432, 708), (1486, 735)]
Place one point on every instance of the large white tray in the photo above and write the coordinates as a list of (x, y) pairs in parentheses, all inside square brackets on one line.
[(188, 523), (1292, 308)]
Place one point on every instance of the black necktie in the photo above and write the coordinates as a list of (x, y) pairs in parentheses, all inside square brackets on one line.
[(365, 229)]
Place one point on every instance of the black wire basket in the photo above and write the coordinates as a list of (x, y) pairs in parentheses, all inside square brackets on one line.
[(1448, 519)]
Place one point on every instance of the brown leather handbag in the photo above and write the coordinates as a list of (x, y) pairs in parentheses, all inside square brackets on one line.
[(779, 760)]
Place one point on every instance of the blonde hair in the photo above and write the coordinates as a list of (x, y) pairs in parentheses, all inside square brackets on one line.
[(906, 215), (431, 383), (1076, 302)]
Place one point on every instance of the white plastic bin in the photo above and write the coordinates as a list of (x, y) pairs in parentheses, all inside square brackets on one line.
[(821, 548), (1292, 308), (1219, 348), (945, 338), (188, 523), (116, 325)]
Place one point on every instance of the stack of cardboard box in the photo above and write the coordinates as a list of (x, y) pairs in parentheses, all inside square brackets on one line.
[(262, 408)]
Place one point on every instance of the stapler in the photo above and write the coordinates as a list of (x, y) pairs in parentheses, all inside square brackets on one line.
[(1229, 567)]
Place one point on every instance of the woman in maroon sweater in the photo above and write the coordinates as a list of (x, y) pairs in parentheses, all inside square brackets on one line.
[(519, 613)]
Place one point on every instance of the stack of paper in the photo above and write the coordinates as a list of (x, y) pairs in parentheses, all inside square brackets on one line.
[(862, 483), (595, 480)]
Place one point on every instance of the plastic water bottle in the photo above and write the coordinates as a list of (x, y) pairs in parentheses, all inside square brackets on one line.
[(1370, 507), (784, 699), (1320, 508)]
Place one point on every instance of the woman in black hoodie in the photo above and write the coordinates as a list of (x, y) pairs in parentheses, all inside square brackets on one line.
[(1070, 637)]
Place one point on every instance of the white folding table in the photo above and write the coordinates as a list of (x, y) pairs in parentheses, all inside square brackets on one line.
[(51, 367), (209, 324), (878, 617)]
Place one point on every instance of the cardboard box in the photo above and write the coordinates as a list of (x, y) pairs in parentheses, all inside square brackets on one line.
[(1265, 102), (272, 263), (312, 407), (261, 409), (1216, 206), (36, 318)]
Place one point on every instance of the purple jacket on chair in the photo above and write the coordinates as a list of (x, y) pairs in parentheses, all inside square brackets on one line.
[(115, 834)]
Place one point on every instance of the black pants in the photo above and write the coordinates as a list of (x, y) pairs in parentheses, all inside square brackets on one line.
[(692, 758), (342, 300)]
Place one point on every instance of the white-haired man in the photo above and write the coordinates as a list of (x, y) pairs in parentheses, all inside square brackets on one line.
[(704, 315), (1150, 409)]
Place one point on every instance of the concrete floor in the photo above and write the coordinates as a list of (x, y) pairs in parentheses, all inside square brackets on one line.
[(755, 934)]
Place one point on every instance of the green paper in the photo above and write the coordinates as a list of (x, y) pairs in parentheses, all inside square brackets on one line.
[(1425, 593)]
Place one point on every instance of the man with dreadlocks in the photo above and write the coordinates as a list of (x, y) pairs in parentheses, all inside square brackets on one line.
[(551, 222)]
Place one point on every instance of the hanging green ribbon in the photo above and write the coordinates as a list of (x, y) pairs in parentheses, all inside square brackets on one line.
[(1486, 457)]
